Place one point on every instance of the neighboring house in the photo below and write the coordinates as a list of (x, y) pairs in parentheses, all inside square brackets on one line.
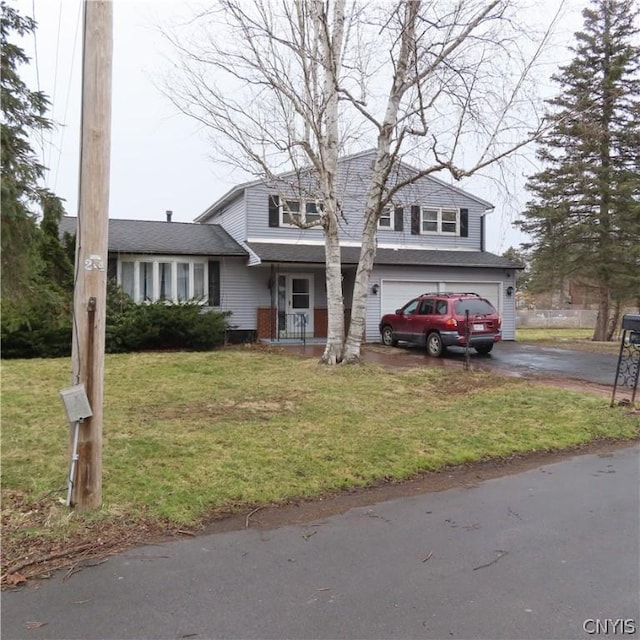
[(245, 256)]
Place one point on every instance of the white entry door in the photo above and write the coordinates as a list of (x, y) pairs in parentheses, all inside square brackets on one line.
[(295, 304)]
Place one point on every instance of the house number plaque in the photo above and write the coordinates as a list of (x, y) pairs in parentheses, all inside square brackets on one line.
[(94, 263)]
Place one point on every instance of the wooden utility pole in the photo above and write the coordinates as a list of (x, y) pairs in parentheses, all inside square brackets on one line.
[(90, 292)]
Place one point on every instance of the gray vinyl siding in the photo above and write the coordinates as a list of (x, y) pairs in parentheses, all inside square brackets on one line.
[(353, 181), (257, 199), (242, 291), (509, 309), (233, 219), (504, 277)]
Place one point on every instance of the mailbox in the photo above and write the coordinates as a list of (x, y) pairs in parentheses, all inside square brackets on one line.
[(631, 322), (628, 370)]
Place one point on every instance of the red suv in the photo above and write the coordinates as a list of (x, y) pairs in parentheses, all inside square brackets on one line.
[(439, 320)]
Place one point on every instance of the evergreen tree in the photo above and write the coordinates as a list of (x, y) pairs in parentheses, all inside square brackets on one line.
[(25, 274), (584, 219)]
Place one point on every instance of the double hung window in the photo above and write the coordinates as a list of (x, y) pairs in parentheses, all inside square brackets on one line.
[(294, 212), (386, 219), (440, 221)]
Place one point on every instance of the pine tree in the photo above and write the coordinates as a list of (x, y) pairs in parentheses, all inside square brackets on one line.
[(584, 219), (24, 272)]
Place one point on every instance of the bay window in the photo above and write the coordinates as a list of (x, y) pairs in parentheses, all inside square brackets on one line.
[(162, 278)]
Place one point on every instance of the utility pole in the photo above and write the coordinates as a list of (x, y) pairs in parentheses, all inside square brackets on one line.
[(90, 291)]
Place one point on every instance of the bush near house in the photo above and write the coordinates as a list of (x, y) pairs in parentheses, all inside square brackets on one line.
[(158, 326), (130, 327)]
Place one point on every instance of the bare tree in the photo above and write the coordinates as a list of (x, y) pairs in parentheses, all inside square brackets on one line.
[(291, 84)]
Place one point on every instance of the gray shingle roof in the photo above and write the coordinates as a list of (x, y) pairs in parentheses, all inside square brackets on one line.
[(150, 236), (269, 252)]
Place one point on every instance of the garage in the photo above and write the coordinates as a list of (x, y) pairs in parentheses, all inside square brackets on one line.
[(488, 290), (396, 293)]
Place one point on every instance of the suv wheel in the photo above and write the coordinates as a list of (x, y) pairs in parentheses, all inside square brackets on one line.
[(435, 348), (484, 349), (387, 337)]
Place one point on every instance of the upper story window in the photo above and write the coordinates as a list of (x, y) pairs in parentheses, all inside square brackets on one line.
[(444, 221), (386, 219), (176, 280), (301, 211), (441, 221)]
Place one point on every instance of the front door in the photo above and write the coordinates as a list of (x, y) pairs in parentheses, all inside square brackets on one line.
[(295, 305)]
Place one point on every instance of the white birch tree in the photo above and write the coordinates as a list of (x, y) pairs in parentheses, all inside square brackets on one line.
[(292, 84)]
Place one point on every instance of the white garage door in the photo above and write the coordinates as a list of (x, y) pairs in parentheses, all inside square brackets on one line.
[(488, 290), (396, 293)]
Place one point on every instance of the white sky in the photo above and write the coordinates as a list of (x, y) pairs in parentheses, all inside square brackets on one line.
[(159, 157)]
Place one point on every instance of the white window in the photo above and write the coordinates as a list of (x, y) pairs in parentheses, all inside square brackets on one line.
[(198, 280), (386, 219), (127, 278), (165, 275), (441, 221), (163, 278), (183, 281), (292, 211), (145, 281)]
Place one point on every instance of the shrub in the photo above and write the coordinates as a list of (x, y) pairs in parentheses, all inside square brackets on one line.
[(160, 325), (129, 327)]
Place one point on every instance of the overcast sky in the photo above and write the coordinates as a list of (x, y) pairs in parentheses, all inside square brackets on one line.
[(159, 157)]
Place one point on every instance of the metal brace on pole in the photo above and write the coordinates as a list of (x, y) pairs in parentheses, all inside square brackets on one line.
[(76, 405), (74, 462)]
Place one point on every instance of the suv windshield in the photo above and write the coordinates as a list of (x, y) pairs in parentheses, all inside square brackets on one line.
[(476, 307)]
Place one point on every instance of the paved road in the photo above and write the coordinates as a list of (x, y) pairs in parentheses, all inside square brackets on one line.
[(533, 555)]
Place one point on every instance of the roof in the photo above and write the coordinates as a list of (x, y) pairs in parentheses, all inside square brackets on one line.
[(149, 236), (310, 254), (236, 191)]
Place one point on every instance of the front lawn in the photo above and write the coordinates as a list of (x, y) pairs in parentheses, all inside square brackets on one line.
[(191, 435)]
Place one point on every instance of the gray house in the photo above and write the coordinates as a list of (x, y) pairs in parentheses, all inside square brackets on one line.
[(244, 255)]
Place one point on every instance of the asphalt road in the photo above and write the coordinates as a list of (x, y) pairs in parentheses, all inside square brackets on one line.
[(541, 554)]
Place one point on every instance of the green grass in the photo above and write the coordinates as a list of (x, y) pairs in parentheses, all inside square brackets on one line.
[(546, 335), (187, 435), (580, 339)]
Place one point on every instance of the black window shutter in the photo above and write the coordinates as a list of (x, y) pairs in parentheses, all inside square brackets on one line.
[(482, 231), (214, 283), (415, 220), (112, 268), (464, 223), (274, 211), (398, 222)]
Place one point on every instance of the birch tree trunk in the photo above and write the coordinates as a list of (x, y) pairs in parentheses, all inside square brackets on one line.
[(381, 168), (331, 49)]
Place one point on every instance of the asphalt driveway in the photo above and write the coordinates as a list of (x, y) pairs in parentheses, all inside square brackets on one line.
[(542, 361), (526, 359)]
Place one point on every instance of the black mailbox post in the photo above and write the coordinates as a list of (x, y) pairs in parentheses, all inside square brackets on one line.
[(628, 370)]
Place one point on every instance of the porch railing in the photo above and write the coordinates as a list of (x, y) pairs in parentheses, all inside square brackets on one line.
[(292, 326)]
